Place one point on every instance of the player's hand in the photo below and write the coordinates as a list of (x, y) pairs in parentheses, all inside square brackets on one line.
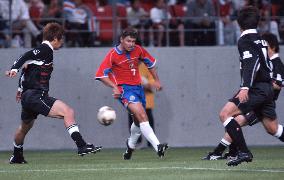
[(11, 73), (243, 95), (18, 96), (116, 93), (276, 86), (157, 85)]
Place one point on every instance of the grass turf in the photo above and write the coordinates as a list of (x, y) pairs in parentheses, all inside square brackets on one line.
[(179, 163)]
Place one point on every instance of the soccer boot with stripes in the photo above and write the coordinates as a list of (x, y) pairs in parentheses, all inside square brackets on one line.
[(162, 149), (230, 156), (88, 148), (241, 157), (212, 156)]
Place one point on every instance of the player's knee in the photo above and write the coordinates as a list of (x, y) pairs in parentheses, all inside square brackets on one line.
[(223, 115), (69, 112), (271, 130), (24, 128), (142, 117)]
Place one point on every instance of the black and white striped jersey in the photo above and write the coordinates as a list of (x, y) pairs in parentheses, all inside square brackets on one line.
[(277, 73), (254, 61), (37, 73)]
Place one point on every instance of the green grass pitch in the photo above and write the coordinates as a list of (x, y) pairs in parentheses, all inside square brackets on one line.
[(179, 163)]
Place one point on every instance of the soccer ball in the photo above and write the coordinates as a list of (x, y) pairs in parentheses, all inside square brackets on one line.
[(106, 115)]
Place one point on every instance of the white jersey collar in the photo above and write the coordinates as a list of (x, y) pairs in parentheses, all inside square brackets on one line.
[(48, 43), (276, 55), (249, 31)]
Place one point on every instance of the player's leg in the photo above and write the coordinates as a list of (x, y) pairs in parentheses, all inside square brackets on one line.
[(270, 121), (142, 119), (133, 129), (131, 142), (151, 121), (227, 114), (61, 110), (274, 128), (242, 120), (140, 115), (234, 130), (225, 142), (20, 134)]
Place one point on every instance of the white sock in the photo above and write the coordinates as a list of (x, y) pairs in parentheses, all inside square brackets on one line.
[(225, 142), (72, 128), (135, 133), (279, 131), (17, 145), (149, 134), (227, 121)]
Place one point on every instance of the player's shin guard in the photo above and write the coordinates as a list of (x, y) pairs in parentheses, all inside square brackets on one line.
[(280, 133), (73, 130), (235, 132), (149, 134), (135, 133)]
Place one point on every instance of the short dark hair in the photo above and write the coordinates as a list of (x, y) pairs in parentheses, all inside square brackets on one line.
[(132, 32), (52, 31), (272, 41), (248, 17)]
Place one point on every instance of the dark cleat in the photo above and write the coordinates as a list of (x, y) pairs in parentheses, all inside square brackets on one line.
[(230, 156), (88, 148), (17, 160), (128, 153), (212, 156), (241, 157), (162, 149)]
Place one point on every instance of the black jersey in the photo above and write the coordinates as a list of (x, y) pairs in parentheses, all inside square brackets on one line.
[(254, 62), (278, 73), (39, 69)]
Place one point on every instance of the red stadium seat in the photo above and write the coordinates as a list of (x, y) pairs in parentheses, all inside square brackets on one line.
[(104, 17), (121, 14)]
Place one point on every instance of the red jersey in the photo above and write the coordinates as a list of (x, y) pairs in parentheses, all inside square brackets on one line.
[(122, 67)]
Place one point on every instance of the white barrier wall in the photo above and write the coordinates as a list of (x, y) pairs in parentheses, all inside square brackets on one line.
[(197, 83)]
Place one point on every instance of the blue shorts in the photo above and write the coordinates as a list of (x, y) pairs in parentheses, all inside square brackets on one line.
[(132, 94)]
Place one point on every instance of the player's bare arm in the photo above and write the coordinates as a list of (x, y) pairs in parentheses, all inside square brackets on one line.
[(116, 92), (157, 83)]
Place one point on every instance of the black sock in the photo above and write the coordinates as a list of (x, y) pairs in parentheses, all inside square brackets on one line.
[(78, 139), (235, 132), (220, 149), (282, 136), (18, 150), (233, 149)]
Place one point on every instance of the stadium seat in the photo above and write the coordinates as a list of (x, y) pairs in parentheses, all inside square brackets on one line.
[(121, 14), (104, 17)]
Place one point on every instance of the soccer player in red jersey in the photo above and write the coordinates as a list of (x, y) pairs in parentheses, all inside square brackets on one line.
[(119, 70)]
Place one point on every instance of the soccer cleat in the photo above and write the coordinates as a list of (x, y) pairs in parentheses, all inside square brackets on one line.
[(241, 157), (230, 156), (212, 156), (162, 149), (88, 148), (17, 160), (128, 153)]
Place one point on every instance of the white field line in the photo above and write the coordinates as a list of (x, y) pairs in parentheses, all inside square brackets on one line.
[(141, 168)]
